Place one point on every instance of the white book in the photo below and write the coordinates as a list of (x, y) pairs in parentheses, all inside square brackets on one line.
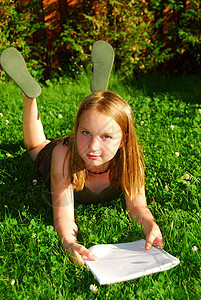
[(126, 261)]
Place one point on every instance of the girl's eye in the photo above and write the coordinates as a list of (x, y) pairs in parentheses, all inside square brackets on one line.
[(106, 137), (86, 133)]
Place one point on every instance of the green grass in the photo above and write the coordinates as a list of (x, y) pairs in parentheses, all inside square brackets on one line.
[(30, 251)]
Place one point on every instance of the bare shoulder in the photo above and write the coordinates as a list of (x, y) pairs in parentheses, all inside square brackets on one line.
[(60, 158), (60, 150)]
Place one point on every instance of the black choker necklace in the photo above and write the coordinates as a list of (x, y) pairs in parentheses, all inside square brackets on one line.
[(98, 173)]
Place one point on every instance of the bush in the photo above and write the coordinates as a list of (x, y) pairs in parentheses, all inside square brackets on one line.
[(146, 35), (128, 25), (19, 23)]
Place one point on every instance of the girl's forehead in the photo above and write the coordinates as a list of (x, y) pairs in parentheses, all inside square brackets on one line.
[(98, 120), (90, 114)]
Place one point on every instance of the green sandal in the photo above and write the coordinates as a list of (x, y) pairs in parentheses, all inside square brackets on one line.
[(14, 65), (102, 60)]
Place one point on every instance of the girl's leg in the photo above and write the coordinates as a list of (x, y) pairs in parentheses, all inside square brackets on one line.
[(14, 65), (33, 134)]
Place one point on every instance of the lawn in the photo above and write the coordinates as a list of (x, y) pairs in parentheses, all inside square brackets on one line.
[(167, 117)]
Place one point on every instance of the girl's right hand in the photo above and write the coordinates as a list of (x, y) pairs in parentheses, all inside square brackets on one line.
[(67, 231), (77, 252)]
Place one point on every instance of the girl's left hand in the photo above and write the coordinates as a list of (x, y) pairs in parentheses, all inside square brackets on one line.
[(153, 237)]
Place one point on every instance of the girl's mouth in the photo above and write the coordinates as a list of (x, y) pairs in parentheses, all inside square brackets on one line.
[(93, 157)]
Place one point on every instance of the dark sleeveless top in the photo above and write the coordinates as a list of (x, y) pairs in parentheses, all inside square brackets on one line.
[(86, 196)]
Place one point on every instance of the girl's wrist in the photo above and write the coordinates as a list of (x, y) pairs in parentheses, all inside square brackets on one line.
[(149, 225), (63, 221)]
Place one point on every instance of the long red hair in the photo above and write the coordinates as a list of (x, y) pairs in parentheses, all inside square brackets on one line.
[(127, 166)]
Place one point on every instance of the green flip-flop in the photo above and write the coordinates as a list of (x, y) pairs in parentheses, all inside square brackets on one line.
[(14, 65), (102, 60)]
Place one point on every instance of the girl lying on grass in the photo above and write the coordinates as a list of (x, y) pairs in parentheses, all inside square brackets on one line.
[(97, 162)]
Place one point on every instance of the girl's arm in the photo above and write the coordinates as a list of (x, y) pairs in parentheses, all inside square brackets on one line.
[(63, 206), (140, 213)]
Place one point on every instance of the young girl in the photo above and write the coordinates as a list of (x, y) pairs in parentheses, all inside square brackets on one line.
[(100, 160)]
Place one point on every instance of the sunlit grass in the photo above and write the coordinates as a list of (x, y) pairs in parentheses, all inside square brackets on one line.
[(33, 265)]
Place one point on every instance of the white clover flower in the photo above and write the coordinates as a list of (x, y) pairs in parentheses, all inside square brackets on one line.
[(177, 154), (6, 122), (142, 123), (187, 176), (199, 110), (93, 288), (1, 115), (167, 188), (194, 248), (12, 282), (81, 66), (60, 116), (172, 127), (34, 181), (8, 154)]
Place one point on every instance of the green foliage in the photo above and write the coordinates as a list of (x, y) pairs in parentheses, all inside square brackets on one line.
[(189, 33), (128, 25), (18, 25), (144, 34)]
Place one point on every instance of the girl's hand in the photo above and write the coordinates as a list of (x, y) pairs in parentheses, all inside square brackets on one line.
[(153, 236), (77, 252), (67, 231)]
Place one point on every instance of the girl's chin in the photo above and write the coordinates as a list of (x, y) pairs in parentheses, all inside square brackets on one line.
[(96, 167), (92, 164)]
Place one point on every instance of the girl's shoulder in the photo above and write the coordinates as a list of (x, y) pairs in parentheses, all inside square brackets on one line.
[(60, 151), (61, 148), (60, 157)]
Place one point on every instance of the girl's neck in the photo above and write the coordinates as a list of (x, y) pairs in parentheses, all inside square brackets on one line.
[(98, 173), (98, 170)]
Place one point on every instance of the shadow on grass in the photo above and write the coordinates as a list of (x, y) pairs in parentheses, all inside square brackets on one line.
[(185, 87), (19, 193)]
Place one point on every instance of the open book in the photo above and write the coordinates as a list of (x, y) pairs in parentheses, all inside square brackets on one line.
[(121, 262)]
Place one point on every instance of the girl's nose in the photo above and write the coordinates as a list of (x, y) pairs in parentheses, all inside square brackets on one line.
[(94, 144)]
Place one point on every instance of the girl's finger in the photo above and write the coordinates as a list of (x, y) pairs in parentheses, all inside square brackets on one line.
[(75, 257), (78, 259), (77, 252), (150, 239), (159, 242), (85, 252)]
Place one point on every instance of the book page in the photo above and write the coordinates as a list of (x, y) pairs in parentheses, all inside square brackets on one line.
[(126, 261)]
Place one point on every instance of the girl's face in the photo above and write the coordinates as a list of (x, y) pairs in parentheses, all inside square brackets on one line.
[(98, 139)]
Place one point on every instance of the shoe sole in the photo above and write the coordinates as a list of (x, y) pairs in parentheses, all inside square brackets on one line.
[(102, 60), (14, 65)]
